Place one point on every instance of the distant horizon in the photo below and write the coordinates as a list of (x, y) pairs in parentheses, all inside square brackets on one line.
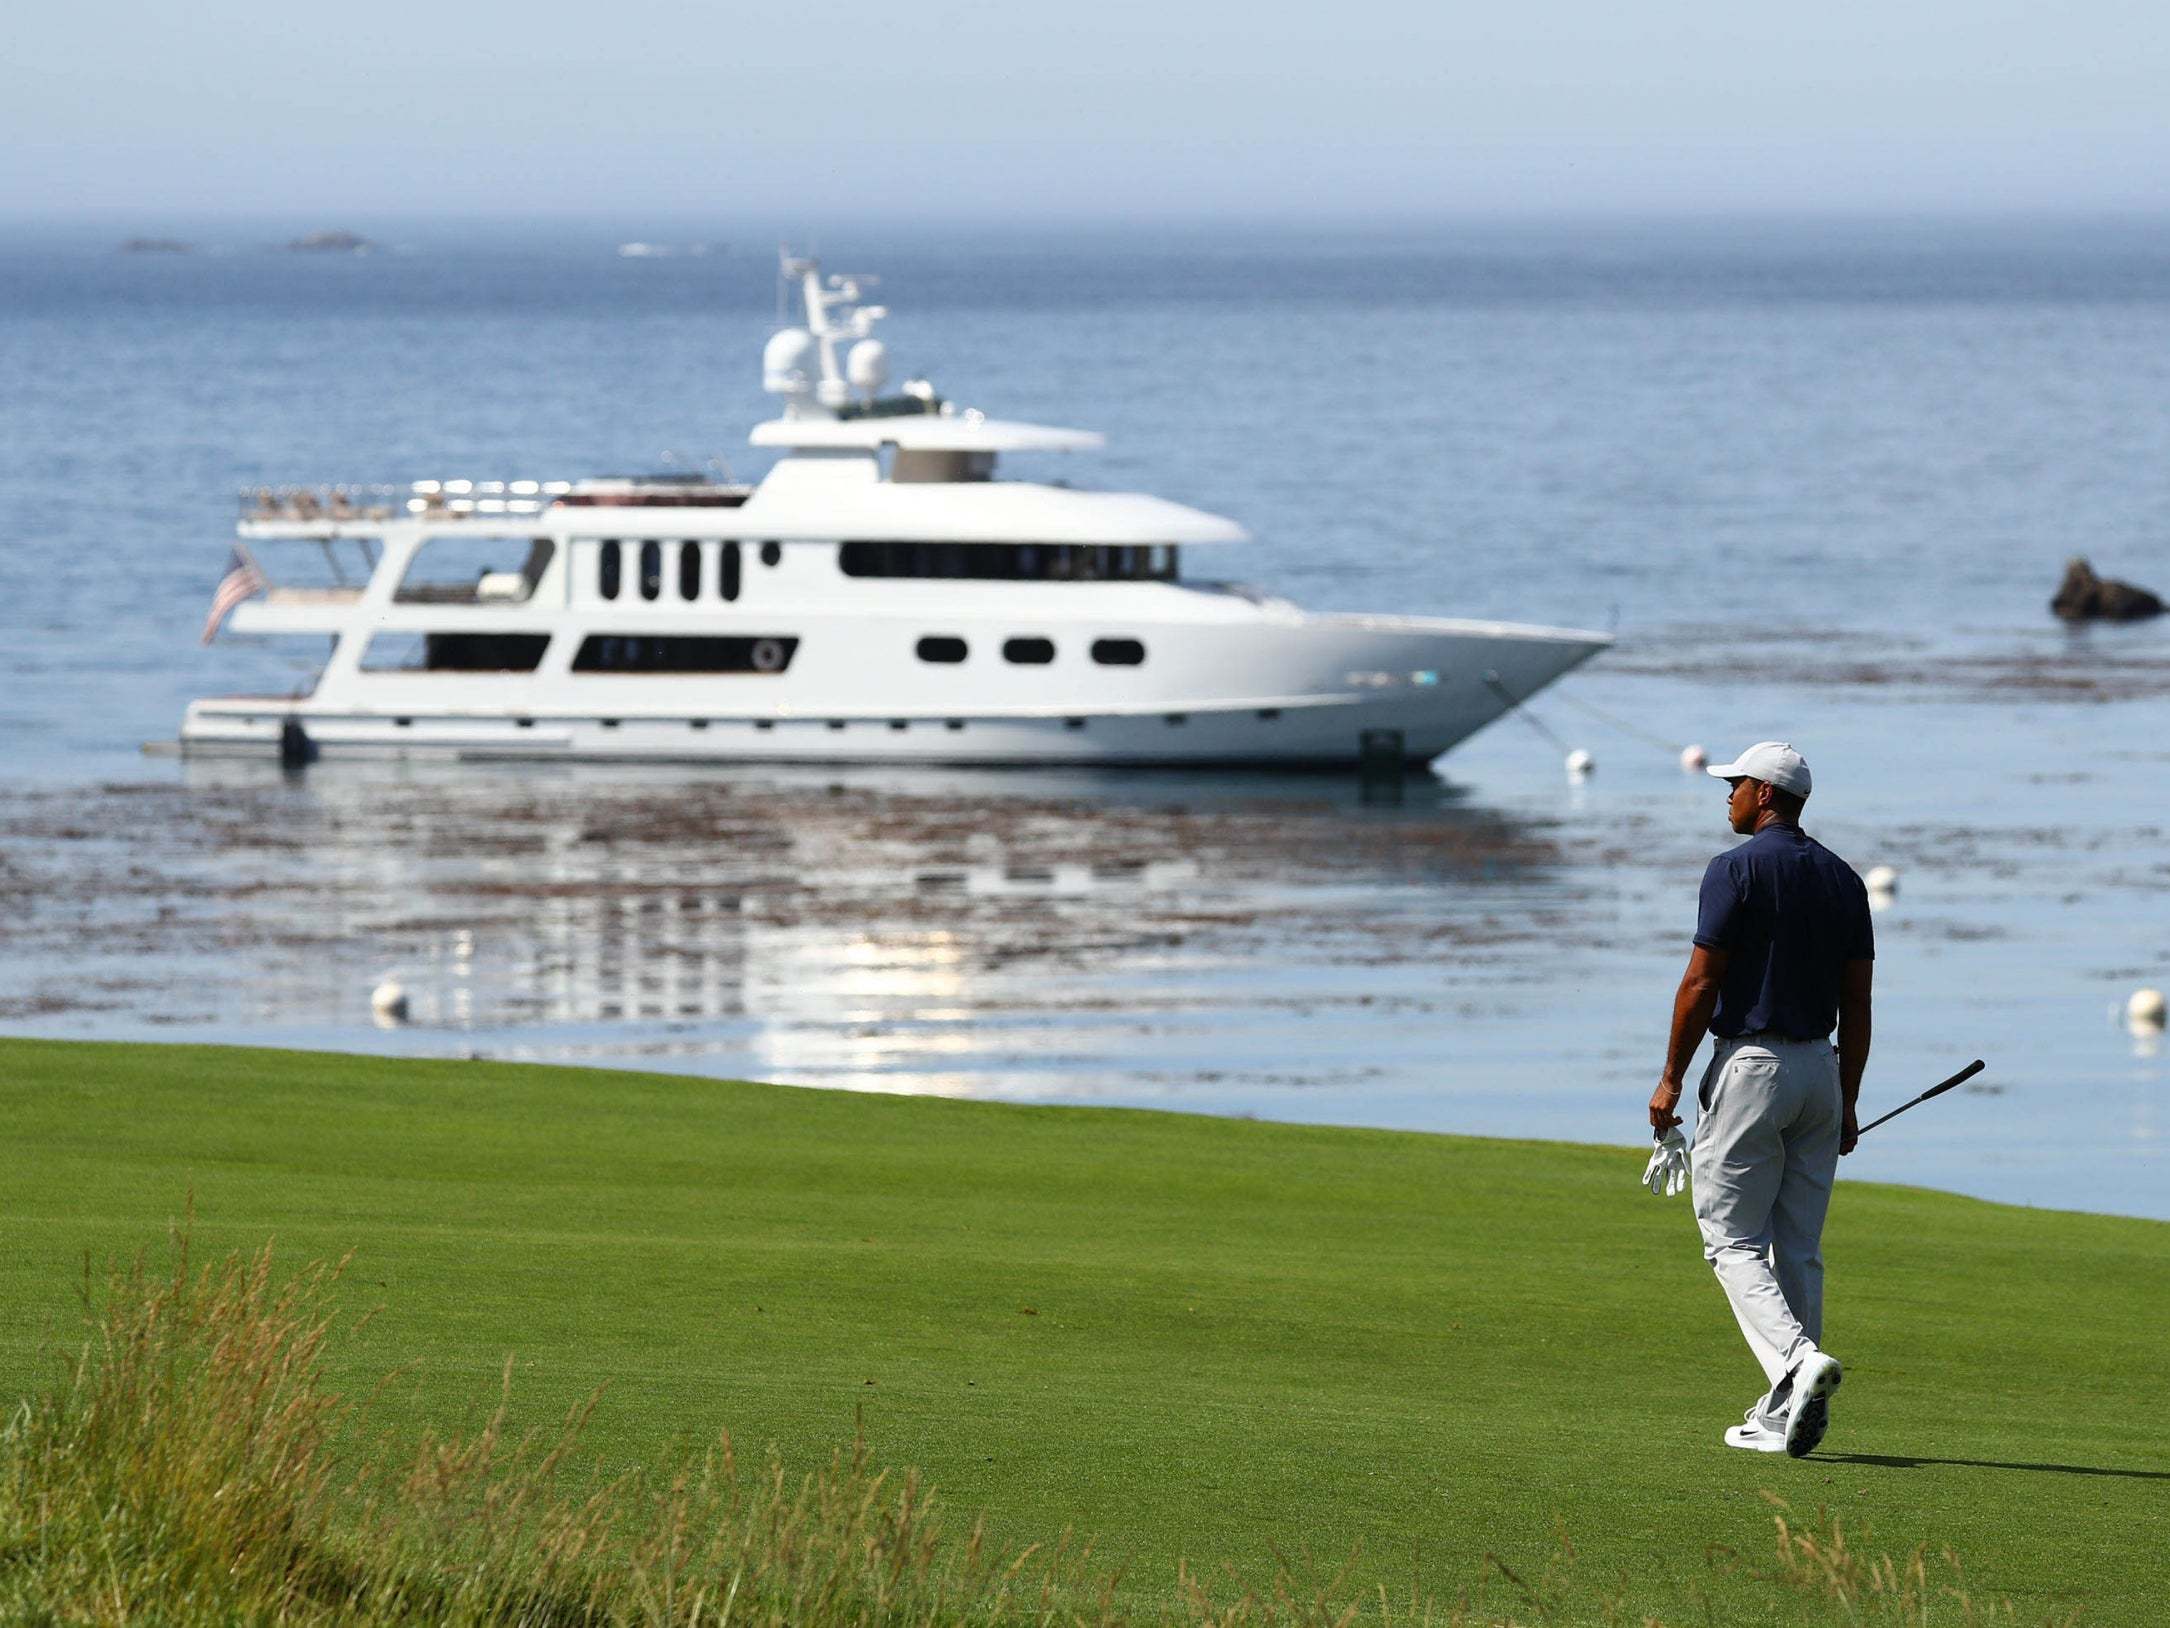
[(298, 220)]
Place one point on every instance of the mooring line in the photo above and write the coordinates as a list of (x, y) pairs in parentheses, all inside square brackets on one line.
[(1522, 710), (1622, 724)]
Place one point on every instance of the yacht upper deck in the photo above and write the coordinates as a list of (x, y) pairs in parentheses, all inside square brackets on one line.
[(364, 511), (830, 498)]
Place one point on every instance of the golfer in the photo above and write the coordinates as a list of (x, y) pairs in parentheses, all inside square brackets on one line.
[(1783, 953)]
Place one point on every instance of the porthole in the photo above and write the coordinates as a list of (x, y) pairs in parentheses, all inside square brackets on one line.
[(1177, 719), (1073, 723), (942, 648), (772, 553), (689, 570), (1269, 715), (651, 570), (727, 576), (1118, 652), (953, 723), (1029, 652), (607, 570)]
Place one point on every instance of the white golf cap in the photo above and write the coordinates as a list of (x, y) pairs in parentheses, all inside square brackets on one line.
[(1775, 763)]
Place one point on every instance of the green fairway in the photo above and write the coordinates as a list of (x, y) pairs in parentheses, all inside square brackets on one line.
[(1187, 1338)]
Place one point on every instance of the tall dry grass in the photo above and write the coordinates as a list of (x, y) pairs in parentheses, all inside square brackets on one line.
[(189, 1466)]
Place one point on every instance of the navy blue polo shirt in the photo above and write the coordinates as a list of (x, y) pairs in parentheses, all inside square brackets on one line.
[(1790, 913)]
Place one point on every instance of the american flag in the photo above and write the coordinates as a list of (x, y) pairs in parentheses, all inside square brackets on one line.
[(240, 581)]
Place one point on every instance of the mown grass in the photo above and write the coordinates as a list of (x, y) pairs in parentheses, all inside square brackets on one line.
[(1491, 1371)]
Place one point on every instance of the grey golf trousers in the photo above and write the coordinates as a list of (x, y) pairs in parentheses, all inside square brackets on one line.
[(1766, 1150)]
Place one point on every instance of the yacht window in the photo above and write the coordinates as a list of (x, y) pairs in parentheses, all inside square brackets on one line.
[(474, 571), (727, 577), (651, 570), (665, 653), (1028, 652), (689, 570), (1008, 562), (607, 571), (940, 647), (771, 553), (454, 652), (1118, 652)]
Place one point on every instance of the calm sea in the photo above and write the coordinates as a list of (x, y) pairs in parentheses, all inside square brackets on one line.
[(1821, 479)]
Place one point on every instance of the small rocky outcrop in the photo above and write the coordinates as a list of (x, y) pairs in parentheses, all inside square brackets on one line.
[(331, 243), (2085, 597)]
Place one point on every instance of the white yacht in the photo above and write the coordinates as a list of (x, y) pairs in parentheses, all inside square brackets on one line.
[(878, 596)]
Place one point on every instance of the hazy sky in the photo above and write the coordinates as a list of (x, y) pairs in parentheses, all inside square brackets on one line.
[(1121, 107)]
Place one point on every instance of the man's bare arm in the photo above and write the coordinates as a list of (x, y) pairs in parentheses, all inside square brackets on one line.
[(1855, 980), (1693, 1004)]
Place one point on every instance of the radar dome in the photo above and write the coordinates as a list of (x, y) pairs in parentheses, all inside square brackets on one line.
[(867, 367), (787, 363)]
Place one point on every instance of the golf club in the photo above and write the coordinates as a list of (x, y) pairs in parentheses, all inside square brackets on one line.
[(1959, 1078)]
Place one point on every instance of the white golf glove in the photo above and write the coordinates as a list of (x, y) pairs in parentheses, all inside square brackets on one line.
[(1667, 1171)]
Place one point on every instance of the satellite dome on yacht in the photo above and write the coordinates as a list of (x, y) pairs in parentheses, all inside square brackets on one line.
[(878, 596)]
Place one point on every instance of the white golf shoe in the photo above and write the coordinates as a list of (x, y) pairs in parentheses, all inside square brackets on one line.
[(1808, 1413), (1752, 1437)]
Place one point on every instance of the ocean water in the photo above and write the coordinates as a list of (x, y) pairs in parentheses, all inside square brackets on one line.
[(1820, 479)]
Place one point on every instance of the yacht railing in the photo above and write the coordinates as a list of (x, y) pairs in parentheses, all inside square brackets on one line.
[(318, 503), (422, 499)]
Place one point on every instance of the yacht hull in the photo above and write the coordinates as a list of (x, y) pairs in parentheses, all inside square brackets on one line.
[(1366, 688)]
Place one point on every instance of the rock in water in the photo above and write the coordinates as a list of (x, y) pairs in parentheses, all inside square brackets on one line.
[(331, 243), (2084, 597)]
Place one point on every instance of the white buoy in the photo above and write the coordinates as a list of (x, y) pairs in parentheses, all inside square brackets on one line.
[(1881, 879), (2145, 1009), (1693, 759), (388, 1004), (1580, 763)]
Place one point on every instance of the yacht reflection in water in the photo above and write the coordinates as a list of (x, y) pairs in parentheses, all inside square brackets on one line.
[(1049, 933)]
